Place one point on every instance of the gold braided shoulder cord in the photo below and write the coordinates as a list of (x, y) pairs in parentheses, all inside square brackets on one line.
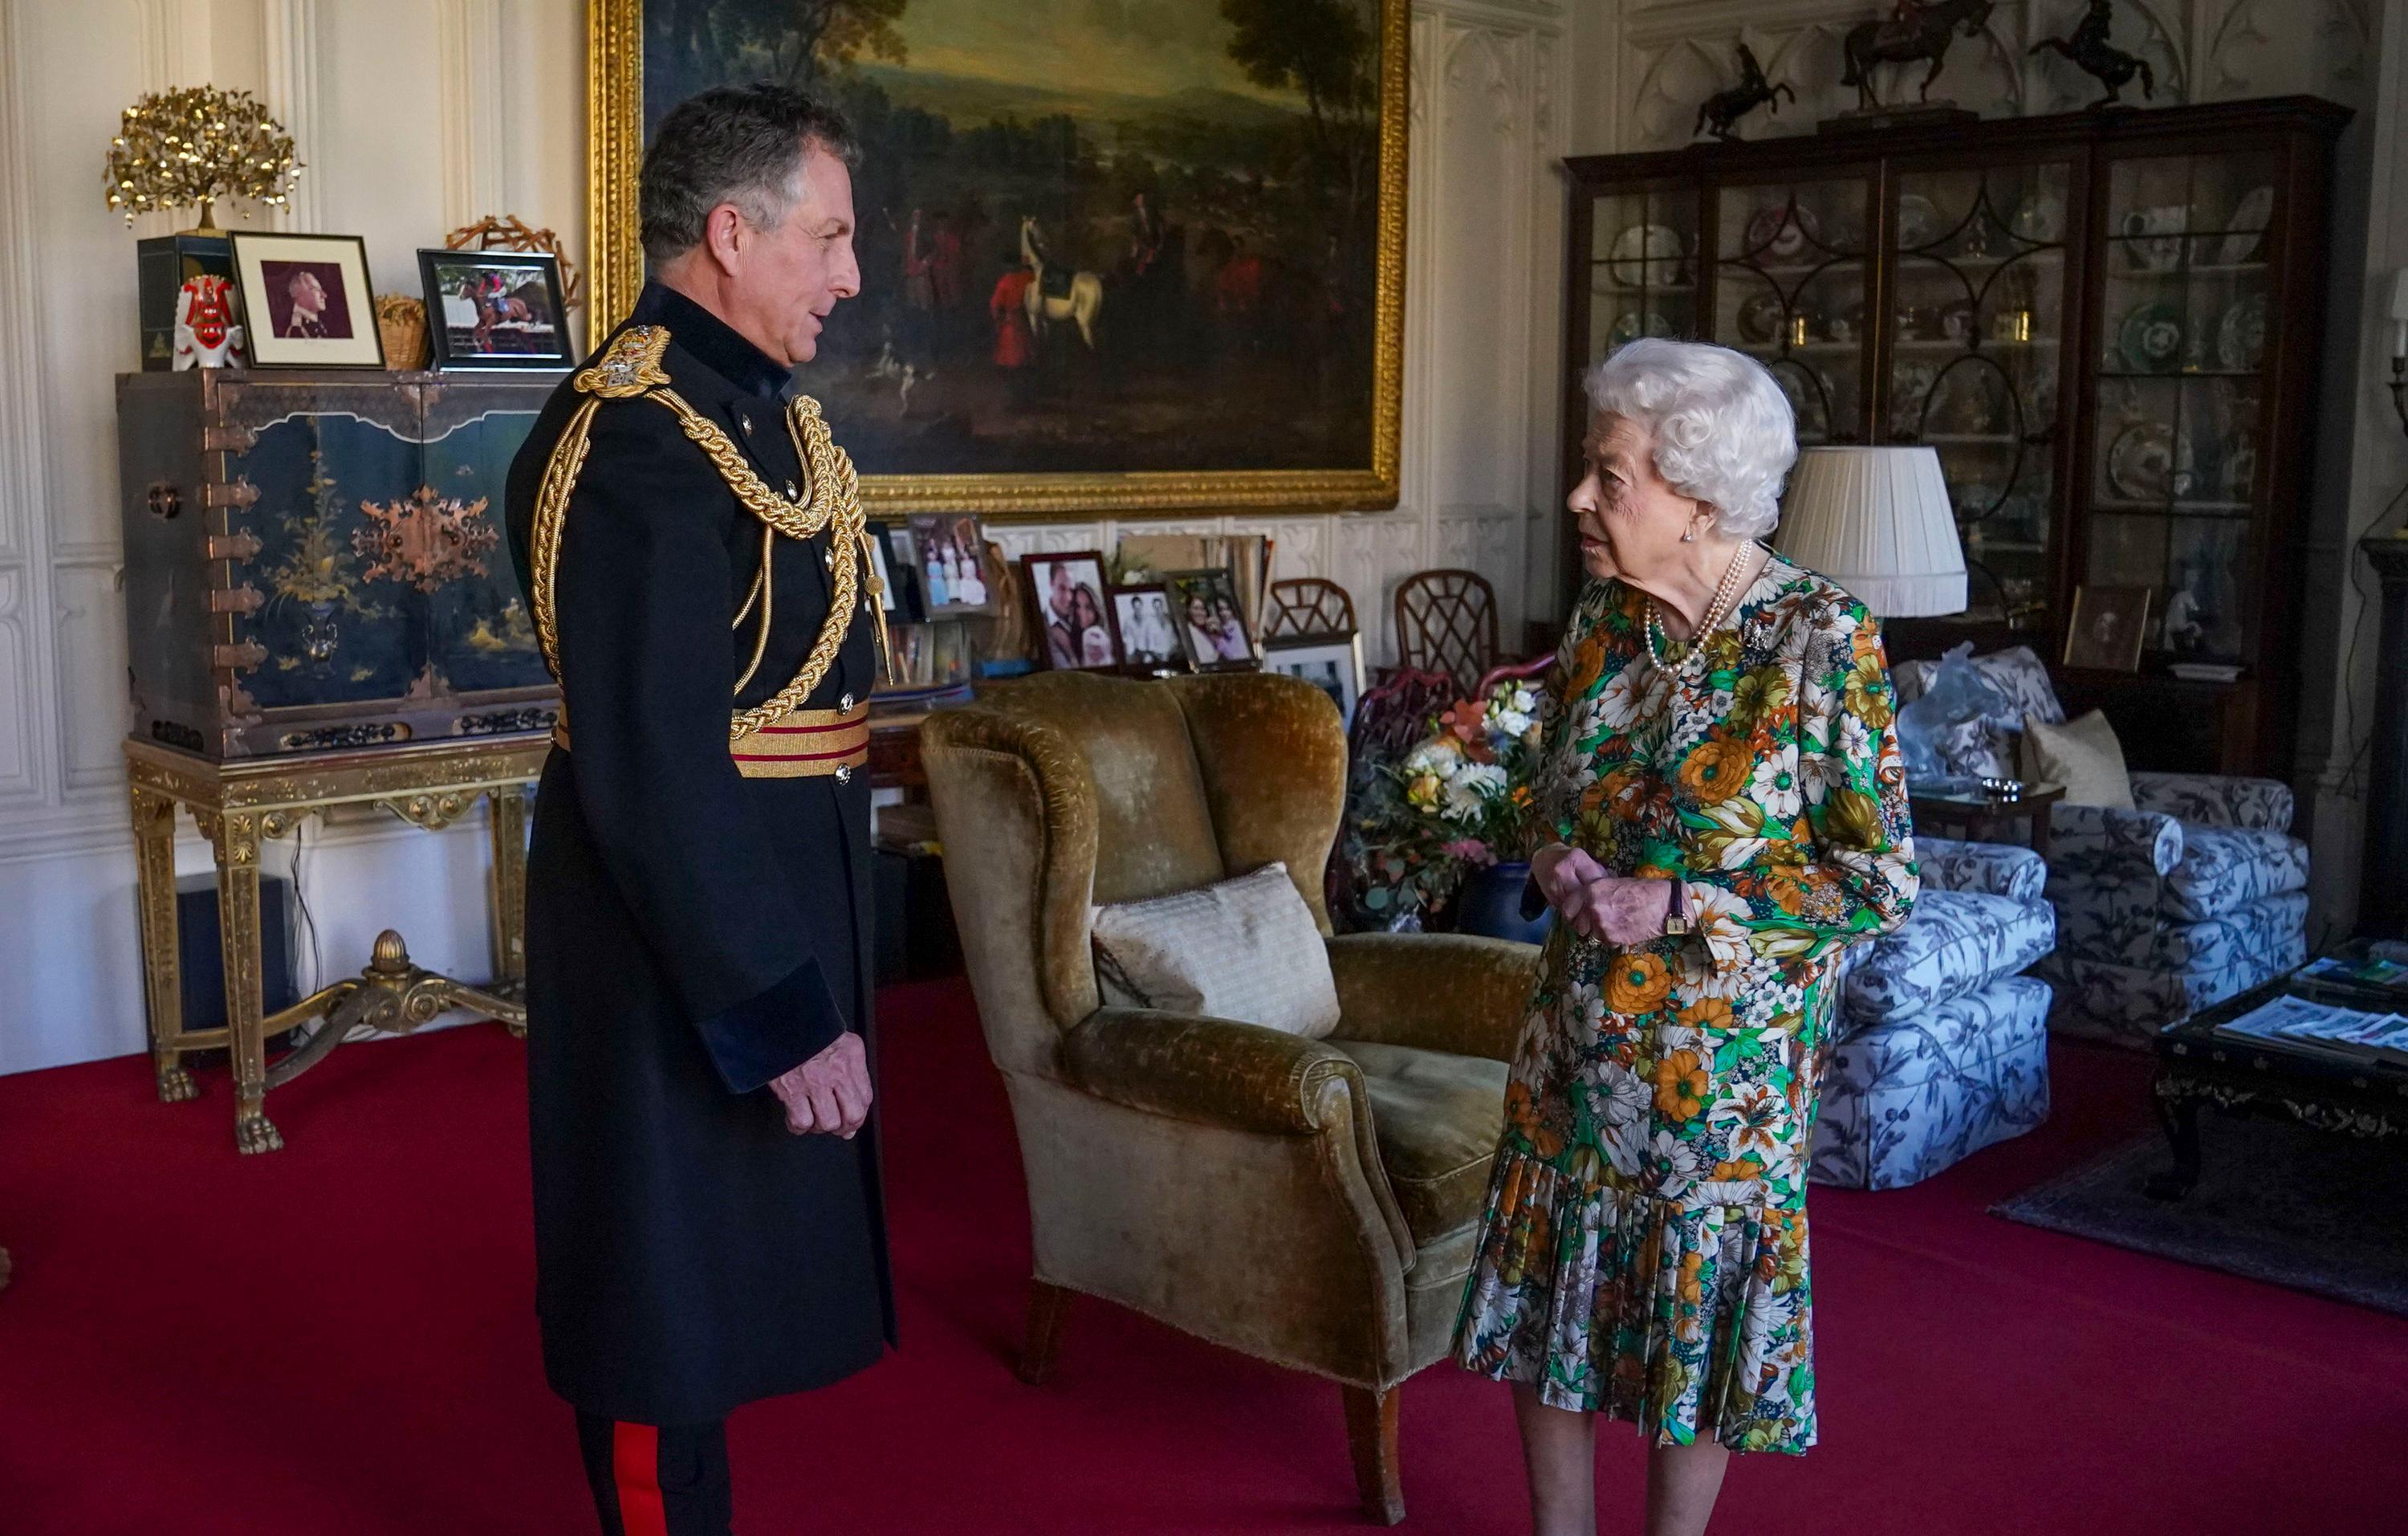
[(631, 369)]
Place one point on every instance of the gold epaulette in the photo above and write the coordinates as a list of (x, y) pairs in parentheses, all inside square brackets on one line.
[(630, 368)]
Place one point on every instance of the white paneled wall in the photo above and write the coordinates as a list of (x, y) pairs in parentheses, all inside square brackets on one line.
[(415, 116)]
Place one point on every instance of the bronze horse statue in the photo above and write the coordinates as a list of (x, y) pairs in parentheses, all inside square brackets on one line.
[(2091, 53), (1722, 111), (1922, 32)]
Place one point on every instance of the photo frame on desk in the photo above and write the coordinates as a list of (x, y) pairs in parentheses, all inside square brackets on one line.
[(306, 301), (1149, 635), (893, 561), (495, 309), (2107, 628), (950, 551), (1331, 663), (1076, 627), (1212, 623)]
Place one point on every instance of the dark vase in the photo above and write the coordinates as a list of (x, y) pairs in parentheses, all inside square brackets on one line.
[(1491, 904)]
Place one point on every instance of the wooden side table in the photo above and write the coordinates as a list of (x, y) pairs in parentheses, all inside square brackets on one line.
[(240, 803), (1981, 820)]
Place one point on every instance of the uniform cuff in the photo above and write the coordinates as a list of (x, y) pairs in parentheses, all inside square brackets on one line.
[(768, 1036)]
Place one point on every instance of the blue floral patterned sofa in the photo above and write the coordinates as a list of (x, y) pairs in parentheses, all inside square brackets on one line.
[(1941, 1046), (2196, 894)]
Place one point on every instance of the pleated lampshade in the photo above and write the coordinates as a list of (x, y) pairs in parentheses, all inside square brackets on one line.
[(1877, 521)]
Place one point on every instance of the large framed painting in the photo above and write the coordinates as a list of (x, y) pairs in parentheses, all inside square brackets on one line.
[(1117, 255)]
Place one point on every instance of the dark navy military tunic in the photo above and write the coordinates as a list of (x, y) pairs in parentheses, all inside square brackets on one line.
[(691, 933)]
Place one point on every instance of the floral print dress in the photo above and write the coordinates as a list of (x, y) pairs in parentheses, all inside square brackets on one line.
[(1645, 1251)]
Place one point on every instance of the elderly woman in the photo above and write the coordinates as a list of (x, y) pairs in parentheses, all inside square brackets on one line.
[(1725, 812)]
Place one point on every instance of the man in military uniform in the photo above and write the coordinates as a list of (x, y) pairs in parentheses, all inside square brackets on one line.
[(708, 1229)]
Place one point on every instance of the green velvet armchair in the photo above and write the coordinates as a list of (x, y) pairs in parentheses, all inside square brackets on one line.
[(1309, 1202)]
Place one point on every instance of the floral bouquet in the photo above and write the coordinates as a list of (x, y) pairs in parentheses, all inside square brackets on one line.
[(1458, 801), (1471, 782)]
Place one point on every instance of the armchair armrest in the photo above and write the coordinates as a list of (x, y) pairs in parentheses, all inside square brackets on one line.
[(1987, 869), (1240, 1075), (1436, 991), (2094, 839), (2217, 800)]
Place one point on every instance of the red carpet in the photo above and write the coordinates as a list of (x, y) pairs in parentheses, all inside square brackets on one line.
[(337, 1341)]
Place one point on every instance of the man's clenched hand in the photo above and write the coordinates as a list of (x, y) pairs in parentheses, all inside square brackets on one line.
[(828, 1093)]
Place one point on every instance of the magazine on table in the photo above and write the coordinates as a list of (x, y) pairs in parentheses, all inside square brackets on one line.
[(2380, 972), (2346, 1034)]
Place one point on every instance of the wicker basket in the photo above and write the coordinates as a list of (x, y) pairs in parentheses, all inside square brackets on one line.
[(402, 323)]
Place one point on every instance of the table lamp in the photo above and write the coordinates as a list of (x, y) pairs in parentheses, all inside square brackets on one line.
[(1877, 521)]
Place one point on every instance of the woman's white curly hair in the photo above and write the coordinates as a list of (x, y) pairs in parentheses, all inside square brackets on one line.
[(1723, 432)]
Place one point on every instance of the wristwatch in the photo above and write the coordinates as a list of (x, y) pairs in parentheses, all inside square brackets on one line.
[(1676, 920)]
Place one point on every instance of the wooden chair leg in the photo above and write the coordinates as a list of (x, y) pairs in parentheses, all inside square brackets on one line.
[(1045, 1305), (1371, 1435)]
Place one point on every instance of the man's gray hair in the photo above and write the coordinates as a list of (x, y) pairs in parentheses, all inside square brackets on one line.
[(740, 144), (1723, 432)]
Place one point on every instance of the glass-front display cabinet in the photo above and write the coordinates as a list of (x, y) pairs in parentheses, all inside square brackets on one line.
[(2104, 324)]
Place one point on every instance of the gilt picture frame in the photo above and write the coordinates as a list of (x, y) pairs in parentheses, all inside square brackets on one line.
[(1224, 339)]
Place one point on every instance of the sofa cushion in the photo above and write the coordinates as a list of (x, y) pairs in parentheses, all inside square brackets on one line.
[(2225, 867), (1956, 942), (1246, 949), (1436, 1117), (1901, 1101), (2082, 755)]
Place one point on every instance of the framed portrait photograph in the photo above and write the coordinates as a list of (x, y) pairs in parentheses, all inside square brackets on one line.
[(306, 301), (1148, 637), (952, 565), (1334, 664), (898, 562), (1074, 624), (2107, 628), (1110, 261), (1212, 625), (495, 309)]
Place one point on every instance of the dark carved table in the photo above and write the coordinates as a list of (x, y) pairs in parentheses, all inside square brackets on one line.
[(2198, 1068)]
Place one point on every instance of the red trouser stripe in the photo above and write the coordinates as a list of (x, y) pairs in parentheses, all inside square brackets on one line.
[(635, 1467)]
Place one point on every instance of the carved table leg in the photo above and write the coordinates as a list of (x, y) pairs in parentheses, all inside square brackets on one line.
[(507, 896), (2179, 1114), (236, 836), (163, 983)]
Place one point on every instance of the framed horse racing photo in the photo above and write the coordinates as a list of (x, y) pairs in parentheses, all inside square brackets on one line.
[(495, 309), (1105, 267)]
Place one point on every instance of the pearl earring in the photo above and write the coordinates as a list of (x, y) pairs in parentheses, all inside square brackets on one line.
[(1689, 533)]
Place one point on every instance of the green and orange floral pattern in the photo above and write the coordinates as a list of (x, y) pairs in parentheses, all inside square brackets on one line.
[(1644, 1254)]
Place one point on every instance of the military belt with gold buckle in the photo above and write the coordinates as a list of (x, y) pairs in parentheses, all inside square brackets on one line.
[(798, 745)]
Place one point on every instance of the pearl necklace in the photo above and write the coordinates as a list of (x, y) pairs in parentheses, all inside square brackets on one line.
[(1726, 593)]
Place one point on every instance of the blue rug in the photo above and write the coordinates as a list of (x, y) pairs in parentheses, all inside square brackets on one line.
[(2276, 1202)]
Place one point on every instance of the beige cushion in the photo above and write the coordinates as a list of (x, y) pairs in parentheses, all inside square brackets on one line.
[(1245, 948), (2082, 755)]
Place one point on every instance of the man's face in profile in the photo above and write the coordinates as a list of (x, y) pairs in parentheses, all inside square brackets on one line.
[(309, 294), (793, 275)]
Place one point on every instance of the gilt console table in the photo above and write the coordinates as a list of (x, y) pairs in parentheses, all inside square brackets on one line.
[(240, 803)]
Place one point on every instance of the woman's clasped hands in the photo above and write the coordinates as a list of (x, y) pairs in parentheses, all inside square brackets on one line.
[(1617, 909)]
